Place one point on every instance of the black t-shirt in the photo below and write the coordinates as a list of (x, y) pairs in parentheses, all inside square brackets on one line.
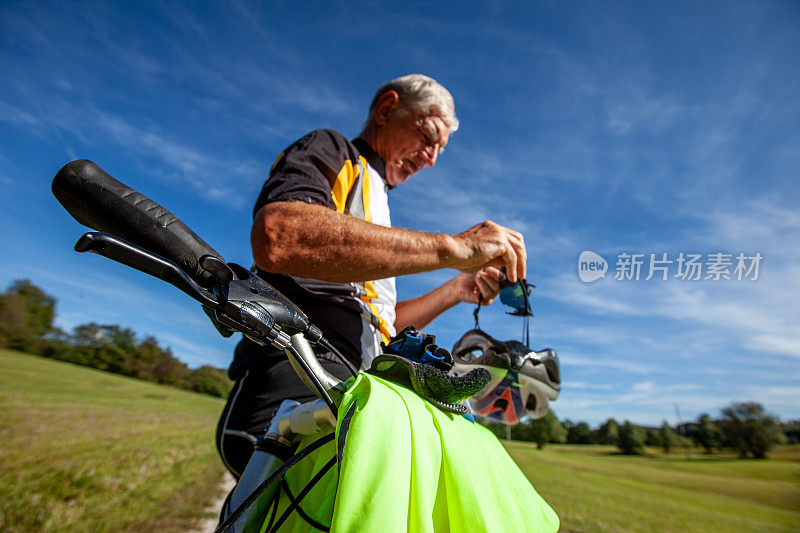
[(320, 168)]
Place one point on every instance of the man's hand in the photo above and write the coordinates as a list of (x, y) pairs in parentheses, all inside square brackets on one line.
[(483, 286), (490, 244), (466, 287)]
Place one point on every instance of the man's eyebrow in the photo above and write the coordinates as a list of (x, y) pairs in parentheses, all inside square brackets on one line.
[(430, 131), (434, 126), (431, 128)]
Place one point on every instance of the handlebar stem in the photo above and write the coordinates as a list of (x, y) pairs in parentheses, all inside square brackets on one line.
[(303, 349)]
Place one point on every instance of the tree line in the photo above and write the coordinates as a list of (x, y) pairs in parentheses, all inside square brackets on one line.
[(745, 427), (26, 324)]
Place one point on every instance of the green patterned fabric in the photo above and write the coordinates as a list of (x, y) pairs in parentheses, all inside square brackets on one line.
[(407, 466)]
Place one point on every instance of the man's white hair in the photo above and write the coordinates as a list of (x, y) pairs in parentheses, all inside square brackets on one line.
[(422, 94)]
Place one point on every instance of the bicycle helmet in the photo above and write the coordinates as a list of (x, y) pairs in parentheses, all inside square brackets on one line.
[(523, 381)]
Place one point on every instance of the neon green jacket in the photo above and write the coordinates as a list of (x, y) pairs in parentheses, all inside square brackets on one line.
[(406, 466)]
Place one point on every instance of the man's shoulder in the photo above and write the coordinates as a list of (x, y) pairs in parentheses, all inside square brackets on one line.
[(328, 133), (323, 138)]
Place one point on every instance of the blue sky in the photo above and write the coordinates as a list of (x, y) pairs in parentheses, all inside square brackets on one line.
[(642, 127)]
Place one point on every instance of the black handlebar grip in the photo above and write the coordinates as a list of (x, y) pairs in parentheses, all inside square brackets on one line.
[(97, 200)]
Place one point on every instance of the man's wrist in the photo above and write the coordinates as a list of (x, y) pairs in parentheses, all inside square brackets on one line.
[(448, 250), (450, 293)]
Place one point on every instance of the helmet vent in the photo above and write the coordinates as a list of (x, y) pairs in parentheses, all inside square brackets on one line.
[(471, 354), (530, 404), (501, 403)]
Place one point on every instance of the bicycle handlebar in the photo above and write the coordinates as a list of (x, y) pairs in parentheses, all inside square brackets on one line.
[(143, 235), (97, 200)]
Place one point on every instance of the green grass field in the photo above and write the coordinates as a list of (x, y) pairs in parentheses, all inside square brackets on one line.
[(592, 488), (84, 450)]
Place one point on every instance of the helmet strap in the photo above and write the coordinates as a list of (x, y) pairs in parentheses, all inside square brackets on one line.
[(478, 310), (526, 331)]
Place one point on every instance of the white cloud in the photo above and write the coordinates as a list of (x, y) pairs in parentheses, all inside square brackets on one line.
[(773, 396), (644, 386), (217, 177), (612, 361), (642, 113), (597, 298), (589, 386)]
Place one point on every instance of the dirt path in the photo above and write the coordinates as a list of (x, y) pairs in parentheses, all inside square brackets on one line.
[(208, 525)]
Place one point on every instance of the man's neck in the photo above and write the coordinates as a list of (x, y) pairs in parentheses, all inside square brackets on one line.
[(370, 136), (369, 152)]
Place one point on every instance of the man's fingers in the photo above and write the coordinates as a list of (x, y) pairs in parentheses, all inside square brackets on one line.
[(518, 243), (486, 288), (510, 259), (493, 273), (514, 255), (492, 245), (491, 276)]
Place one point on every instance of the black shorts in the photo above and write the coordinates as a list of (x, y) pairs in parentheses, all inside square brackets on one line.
[(253, 402)]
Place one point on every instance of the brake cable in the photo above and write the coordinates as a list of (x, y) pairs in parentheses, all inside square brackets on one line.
[(310, 485), (273, 477)]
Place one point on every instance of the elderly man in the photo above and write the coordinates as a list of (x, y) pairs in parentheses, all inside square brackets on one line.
[(322, 236)]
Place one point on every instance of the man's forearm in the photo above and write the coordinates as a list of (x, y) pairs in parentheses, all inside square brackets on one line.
[(316, 242), (422, 310)]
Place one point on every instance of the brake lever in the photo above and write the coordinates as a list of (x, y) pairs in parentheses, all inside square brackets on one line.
[(248, 289), (142, 260), (246, 305)]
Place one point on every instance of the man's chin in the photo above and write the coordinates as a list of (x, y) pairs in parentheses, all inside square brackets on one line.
[(396, 179)]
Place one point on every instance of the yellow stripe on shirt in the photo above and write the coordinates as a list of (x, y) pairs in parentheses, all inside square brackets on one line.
[(369, 286), (277, 159), (344, 182)]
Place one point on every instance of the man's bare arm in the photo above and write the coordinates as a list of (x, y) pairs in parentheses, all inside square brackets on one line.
[(316, 242), (482, 286)]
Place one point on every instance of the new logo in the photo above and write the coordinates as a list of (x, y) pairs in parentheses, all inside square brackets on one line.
[(591, 266)]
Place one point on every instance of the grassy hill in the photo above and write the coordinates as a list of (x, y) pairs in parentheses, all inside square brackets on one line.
[(84, 450), (592, 488)]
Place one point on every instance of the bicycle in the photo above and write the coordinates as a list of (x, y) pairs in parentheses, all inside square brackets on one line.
[(357, 426)]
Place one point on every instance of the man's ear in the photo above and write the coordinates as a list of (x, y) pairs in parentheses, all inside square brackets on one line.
[(387, 104)]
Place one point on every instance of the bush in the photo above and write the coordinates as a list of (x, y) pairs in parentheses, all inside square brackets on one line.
[(547, 429), (707, 434), (210, 380), (631, 439), (669, 439), (653, 437), (26, 316), (580, 433), (748, 429), (608, 432), (541, 431), (26, 324), (791, 429)]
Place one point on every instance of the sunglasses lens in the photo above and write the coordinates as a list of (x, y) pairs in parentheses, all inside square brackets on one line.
[(513, 296), (516, 296)]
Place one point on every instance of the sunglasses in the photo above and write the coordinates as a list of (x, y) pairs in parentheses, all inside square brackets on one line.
[(516, 295)]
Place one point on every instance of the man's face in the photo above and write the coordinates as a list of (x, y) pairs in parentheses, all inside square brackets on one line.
[(411, 142)]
